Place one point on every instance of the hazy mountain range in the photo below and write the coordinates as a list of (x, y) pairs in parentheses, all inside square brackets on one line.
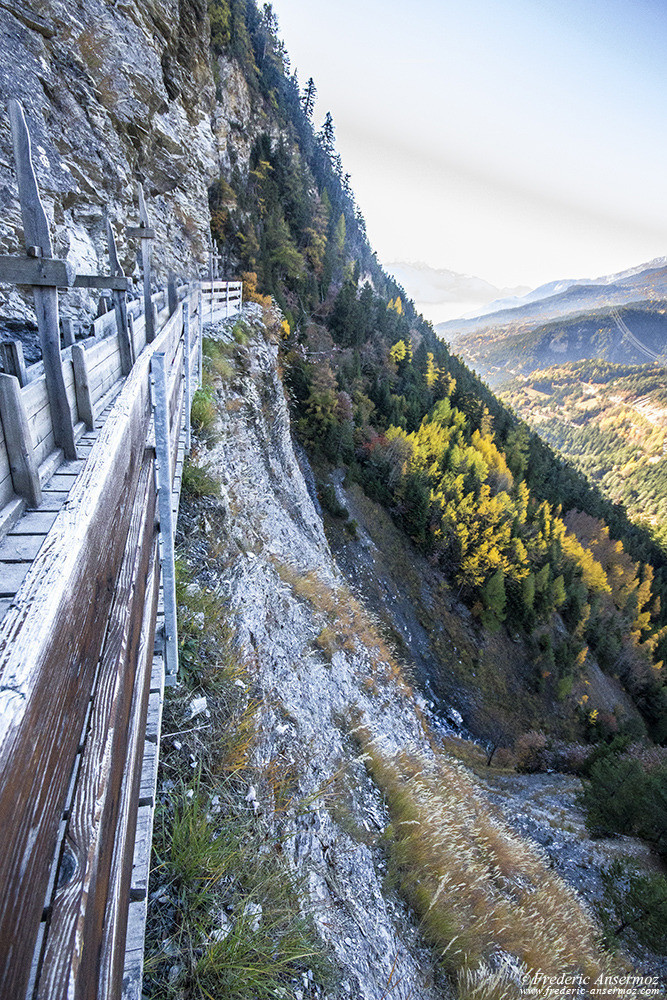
[(558, 299), (441, 294), (620, 318)]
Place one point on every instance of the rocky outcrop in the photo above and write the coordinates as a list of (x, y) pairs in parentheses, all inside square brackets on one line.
[(115, 93), (276, 569)]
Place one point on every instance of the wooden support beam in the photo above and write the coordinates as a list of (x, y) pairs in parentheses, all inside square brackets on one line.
[(18, 440), (172, 295), (36, 232), (84, 398), (146, 266), (141, 232), (120, 284), (164, 483), (13, 362), (68, 332), (125, 344), (37, 271)]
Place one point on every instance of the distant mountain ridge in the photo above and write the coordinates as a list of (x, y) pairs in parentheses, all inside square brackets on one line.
[(439, 290), (564, 298), (619, 318)]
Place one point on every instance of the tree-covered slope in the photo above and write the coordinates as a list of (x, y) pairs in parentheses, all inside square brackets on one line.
[(608, 420), (373, 388)]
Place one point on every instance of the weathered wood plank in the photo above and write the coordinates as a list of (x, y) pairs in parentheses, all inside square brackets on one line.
[(49, 466), (115, 920), (115, 282), (84, 400), (19, 441), (13, 362), (53, 499), (104, 376), (164, 467), (78, 907), (142, 851), (134, 955), (157, 673), (60, 483), (100, 351), (20, 548), (37, 271), (51, 633), (33, 523), (148, 774), (12, 575), (10, 513), (141, 232)]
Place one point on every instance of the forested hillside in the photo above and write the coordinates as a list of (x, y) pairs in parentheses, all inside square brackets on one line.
[(611, 422), (374, 389), (514, 345)]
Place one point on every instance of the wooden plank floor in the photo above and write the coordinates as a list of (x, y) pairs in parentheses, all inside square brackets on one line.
[(20, 545)]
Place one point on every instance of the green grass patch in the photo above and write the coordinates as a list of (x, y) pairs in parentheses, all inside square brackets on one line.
[(203, 412), (197, 480)]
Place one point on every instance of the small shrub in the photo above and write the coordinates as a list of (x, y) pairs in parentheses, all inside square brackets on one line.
[(197, 480), (634, 903), (529, 749), (241, 332), (203, 412)]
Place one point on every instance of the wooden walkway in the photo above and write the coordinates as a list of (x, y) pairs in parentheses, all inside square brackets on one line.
[(81, 695), (21, 544)]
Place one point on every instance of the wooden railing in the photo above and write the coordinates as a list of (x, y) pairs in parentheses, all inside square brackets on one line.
[(78, 642)]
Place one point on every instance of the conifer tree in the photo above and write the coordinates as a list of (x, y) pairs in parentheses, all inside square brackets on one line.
[(308, 99)]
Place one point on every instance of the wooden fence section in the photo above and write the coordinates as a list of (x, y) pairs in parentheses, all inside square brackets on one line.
[(223, 298), (78, 672)]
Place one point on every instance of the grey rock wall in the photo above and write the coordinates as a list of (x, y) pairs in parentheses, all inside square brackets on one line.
[(117, 92)]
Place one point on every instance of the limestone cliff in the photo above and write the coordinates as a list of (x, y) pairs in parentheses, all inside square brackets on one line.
[(115, 94)]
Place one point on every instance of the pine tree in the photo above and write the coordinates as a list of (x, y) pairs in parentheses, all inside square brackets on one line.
[(308, 99), (327, 136)]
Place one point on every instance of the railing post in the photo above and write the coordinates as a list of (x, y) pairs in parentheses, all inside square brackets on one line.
[(11, 355), (172, 294), (187, 347), (38, 244), (18, 440), (200, 360), (125, 344), (164, 488), (145, 234), (84, 398), (68, 332)]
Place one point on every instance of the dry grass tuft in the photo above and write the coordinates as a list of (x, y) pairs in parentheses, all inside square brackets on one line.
[(477, 887), (347, 626)]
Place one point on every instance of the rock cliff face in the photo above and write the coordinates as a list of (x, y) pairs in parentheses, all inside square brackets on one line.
[(116, 93), (277, 571)]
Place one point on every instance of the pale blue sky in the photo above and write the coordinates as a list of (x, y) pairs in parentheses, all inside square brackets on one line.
[(518, 140)]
